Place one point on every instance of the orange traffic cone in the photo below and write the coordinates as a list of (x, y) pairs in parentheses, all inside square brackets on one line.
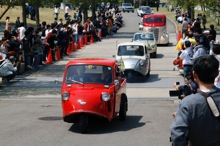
[(78, 45), (81, 42), (179, 36), (58, 53), (49, 57), (85, 39), (68, 51), (91, 39)]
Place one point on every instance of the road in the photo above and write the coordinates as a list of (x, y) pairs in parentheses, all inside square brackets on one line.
[(31, 114)]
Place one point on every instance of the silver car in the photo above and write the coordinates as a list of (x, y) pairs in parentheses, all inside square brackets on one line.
[(144, 10), (134, 60), (150, 41)]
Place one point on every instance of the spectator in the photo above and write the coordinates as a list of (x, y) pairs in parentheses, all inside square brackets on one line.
[(35, 49), (189, 84), (187, 55), (216, 52), (196, 24), (8, 24), (199, 49), (8, 69), (194, 122), (212, 32), (184, 27), (203, 39), (56, 11), (21, 32), (204, 21), (67, 10), (17, 23), (180, 19)]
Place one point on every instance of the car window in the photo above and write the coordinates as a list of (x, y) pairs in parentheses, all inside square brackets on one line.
[(126, 4), (149, 19), (143, 37), (130, 50), (89, 74)]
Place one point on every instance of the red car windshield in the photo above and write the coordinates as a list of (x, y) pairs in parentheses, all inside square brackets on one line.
[(91, 74), (131, 50), (154, 21)]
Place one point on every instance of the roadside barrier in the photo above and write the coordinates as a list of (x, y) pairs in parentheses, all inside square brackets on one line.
[(68, 51), (91, 39), (179, 36), (49, 57), (81, 42), (85, 39)]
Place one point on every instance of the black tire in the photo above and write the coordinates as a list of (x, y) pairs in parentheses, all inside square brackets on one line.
[(153, 55), (132, 11), (148, 74), (5, 80), (123, 109), (130, 77), (83, 123)]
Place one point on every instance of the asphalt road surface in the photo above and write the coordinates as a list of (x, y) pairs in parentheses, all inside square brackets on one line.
[(31, 113)]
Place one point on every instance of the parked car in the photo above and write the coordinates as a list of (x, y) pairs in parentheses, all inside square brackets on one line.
[(134, 60), (144, 10), (92, 87), (127, 7), (150, 41)]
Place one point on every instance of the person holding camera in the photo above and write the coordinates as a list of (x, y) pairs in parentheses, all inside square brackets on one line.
[(196, 122), (188, 88)]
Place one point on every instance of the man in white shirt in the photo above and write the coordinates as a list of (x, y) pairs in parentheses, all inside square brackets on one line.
[(21, 31), (56, 11), (67, 10), (187, 55)]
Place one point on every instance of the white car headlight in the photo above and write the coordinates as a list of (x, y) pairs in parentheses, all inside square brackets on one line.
[(141, 62), (105, 96), (65, 96)]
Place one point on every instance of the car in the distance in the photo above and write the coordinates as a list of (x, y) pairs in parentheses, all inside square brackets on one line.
[(134, 60), (149, 39), (144, 10), (127, 7)]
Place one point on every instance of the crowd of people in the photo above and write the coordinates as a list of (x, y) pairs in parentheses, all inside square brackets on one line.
[(197, 119), (32, 46)]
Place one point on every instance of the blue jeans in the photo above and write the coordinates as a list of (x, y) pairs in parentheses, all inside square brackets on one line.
[(187, 69)]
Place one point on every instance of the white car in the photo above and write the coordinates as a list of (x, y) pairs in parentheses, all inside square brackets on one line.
[(144, 10), (134, 60), (150, 41), (127, 7)]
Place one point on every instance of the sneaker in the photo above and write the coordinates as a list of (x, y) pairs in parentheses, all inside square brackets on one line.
[(30, 67)]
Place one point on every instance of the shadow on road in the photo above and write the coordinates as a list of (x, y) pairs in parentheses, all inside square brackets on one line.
[(103, 127)]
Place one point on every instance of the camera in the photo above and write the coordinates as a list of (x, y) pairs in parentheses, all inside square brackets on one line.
[(184, 90), (177, 83)]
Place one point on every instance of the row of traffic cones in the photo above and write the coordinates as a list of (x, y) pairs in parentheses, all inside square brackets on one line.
[(71, 47)]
